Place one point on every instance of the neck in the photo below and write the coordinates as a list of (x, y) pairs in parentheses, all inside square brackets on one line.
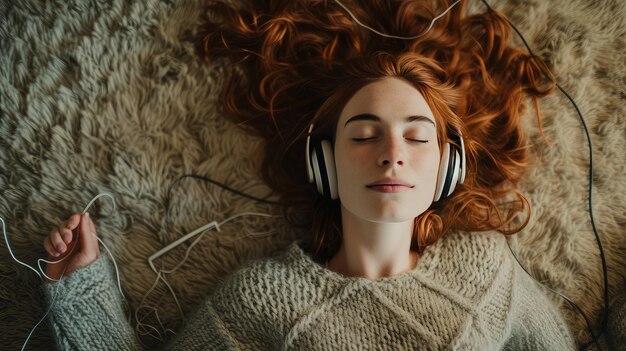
[(373, 250)]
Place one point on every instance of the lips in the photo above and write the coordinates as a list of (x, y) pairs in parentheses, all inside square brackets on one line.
[(390, 182)]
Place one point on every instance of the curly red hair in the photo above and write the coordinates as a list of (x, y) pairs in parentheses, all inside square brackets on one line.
[(294, 63)]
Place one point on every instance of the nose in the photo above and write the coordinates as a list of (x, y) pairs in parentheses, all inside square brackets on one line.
[(392, 152)]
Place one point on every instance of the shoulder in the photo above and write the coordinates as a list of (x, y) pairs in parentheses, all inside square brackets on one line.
[(274, 269), (480, 266), (267, 289), (239, 313), (469, 263), (250, 276)]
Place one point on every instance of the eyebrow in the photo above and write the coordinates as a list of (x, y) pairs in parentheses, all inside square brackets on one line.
[(371, 117)]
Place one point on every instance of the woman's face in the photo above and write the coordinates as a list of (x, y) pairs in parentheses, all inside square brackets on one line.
[(401, 144)]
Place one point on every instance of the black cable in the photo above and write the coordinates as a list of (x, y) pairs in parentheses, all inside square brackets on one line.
[(561, 295), (205, 178), (593, 225), (192, 175)]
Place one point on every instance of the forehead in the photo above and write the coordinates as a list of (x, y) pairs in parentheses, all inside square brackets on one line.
[(391, 99)]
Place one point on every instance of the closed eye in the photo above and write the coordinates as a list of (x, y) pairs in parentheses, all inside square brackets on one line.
[(366, 139)]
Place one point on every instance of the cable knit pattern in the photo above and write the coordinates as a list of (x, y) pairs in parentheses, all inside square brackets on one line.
[(466, 293), (87, 310)]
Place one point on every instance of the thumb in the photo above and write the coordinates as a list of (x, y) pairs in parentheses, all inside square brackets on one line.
[(87, 238), (88, 250)]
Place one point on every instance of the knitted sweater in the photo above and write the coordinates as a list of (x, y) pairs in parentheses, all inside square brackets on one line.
[(466, 293)]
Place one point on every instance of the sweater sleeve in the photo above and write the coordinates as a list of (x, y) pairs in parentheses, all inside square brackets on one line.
[(86, 313), (537, 324), (86, 310)]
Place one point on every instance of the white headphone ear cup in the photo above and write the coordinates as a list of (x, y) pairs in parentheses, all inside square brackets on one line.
[(455, 172), (316, 170), (449, 172), (443, 171), (331, 171), (324, 171), (308, 160), (463, 171)]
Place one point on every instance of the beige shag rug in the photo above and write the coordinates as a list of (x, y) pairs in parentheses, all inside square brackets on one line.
[(108, 96)]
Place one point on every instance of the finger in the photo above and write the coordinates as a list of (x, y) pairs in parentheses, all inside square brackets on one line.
[(73, 221), (49, 248), (94, 237), (57, 241), (66, 235), (88, 239), (92, 226), (54, 250)]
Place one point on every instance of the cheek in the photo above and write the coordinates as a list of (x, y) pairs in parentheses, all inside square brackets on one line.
[(433, 159), (351, 164), (426, 164)]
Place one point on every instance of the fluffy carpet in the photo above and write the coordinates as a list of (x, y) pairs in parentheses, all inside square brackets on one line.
[(108, 96)]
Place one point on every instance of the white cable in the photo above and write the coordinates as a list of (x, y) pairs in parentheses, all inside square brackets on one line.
[(4, 232), (396, 36), (160, 274), (204, 228)]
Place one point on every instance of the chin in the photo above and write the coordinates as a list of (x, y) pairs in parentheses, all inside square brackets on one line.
[(386, 217), (378, 212)]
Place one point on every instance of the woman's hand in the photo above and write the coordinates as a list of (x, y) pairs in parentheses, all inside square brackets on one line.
[(77, 230)]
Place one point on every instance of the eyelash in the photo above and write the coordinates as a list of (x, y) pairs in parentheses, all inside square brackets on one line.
[(359, 140)]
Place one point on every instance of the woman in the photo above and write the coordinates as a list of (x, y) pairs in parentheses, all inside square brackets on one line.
[(423, 149)]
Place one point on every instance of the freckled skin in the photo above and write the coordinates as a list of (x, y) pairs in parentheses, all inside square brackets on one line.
[(389, 154)]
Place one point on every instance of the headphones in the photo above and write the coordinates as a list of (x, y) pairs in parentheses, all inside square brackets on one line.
[(320, 166)]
